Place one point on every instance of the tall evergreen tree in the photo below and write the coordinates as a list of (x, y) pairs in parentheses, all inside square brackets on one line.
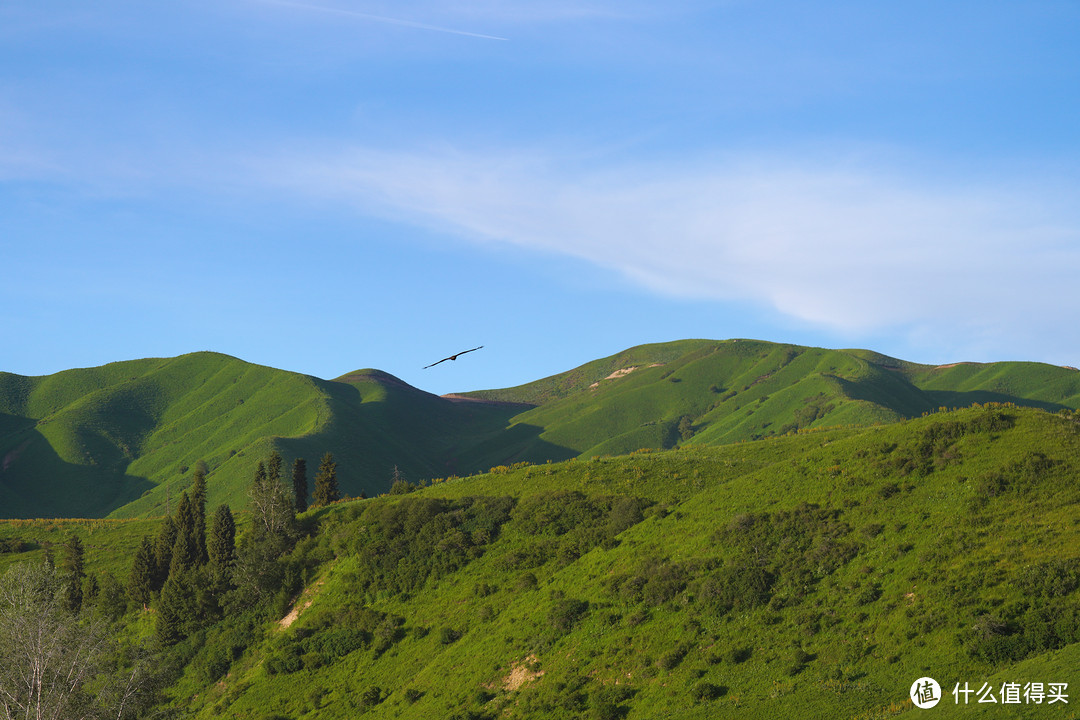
[(163, 547), (326, 484), (273, 466), (73, 570), (299, 484), (184, 548), (221, 545), (143, 568), (177, 611), (198, 503)]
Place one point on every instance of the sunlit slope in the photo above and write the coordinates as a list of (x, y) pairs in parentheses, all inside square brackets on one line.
[(814, 575), (728, 391)]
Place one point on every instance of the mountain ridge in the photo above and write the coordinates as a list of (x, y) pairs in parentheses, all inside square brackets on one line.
[(120, 439)]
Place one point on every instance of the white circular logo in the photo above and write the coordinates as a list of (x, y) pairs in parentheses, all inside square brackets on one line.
[(925, 693)]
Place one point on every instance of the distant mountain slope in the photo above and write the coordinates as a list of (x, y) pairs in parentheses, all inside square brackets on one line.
[(745, 389), (122, 439)]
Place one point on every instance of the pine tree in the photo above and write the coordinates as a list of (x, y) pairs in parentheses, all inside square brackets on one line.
[(326, 484), (163, 547), (183, 557), (177, 611), (74, 570), (221, 545), (143, 569), (273, 467), (198, 502), (299, 483)]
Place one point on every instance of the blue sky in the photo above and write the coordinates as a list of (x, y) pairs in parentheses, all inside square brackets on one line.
[(324, 186)]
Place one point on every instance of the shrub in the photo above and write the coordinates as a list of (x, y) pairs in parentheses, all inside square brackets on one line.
[(706, 691), (565, 613)]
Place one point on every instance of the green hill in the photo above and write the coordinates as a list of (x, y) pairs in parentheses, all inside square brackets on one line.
[(120, 440), (745, 389), (816, 574)]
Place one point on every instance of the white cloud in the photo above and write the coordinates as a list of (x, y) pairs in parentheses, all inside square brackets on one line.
[(851, 250)]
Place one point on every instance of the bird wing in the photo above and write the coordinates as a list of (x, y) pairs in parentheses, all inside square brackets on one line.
[(452, 357)]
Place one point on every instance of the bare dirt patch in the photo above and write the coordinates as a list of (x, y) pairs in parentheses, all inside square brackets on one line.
[(302, 603), (621, 373), (521, 673)]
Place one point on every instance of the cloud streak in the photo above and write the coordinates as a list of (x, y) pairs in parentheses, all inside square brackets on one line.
[(853, 250), (377, 18)]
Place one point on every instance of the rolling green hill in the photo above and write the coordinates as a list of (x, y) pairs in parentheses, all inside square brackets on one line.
[(816, 574), (120, 440), (745, 389)]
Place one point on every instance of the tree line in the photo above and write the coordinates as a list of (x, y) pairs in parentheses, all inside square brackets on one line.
[(195, 571)]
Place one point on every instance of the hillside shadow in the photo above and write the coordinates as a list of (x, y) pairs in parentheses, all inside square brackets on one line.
[(422, 436), (519, 442), (36, 482), (911, 401), (957, 399)]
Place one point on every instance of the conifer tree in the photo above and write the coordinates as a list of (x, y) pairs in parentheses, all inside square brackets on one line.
[(326, 484), (163, 547), (299, 483), (221, 545), (177, 612), (183, 557), (143, 569), (273, 466), (184, 551), (198, 502), (73, 569)]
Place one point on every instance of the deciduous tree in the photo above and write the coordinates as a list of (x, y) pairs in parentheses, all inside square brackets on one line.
[(56, 666)]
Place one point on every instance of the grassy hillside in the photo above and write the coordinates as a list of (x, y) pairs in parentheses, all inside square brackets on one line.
[(121, 440), (812, 575), (736, 390)]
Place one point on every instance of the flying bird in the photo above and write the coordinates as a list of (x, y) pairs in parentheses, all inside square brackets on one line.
[(452, 357)]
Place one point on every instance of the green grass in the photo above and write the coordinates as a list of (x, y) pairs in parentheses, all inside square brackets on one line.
[(619, 584)]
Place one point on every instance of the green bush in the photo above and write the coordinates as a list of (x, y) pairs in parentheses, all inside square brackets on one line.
[(706, 691)]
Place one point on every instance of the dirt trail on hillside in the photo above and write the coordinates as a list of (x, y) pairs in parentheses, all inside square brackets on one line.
[(302, 603)]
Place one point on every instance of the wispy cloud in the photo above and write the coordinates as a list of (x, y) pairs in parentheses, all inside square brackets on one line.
[(853, 250), (307, 7)]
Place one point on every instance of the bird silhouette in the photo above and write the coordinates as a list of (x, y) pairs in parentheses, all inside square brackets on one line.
[(452, 357)]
